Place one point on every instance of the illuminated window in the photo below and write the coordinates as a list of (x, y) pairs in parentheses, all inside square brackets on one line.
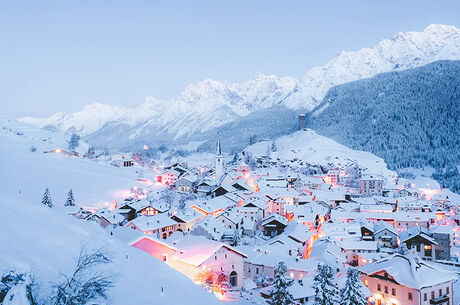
[(301, 276), (291, 275), (366, 282), (179, 188), (188, 188)]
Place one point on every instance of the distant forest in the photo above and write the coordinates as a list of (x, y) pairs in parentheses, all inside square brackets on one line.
[(409, 118)]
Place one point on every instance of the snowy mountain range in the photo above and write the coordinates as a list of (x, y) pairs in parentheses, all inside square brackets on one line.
[(207, 105)]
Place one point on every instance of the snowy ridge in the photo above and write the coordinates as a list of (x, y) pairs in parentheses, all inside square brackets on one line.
[(402, 51), (209, 104)]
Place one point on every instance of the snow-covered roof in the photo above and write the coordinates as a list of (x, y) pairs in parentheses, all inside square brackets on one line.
[(358, 245), (382, 225), (416, 231), (410, 271), (195, 250), (274, 217), (154, 222)]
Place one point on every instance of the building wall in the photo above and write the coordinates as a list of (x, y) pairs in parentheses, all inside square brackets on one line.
[(389, 243), (253, 271), (185, 186), (387, 298)]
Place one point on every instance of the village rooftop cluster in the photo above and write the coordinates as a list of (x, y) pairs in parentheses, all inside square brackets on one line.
[(229, 226)]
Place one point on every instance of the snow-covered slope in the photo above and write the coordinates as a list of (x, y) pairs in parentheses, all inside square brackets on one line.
[(28, 173), (311, 148), (210, 104), (39, 239), (47, 241)]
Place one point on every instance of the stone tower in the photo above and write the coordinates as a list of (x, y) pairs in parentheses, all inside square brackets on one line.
[(302, 121)]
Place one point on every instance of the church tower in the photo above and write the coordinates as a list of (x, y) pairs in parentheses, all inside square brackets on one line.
[(219, 163)]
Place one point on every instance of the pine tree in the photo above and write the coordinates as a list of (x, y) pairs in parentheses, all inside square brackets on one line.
[(70, 200), (236, 238), (74, 141), (351, 294), (326, 291), (280, 294), (47, 198)]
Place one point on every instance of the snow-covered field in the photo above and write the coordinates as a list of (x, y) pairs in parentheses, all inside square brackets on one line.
[(26, 174), (39, 239), (45, 241)]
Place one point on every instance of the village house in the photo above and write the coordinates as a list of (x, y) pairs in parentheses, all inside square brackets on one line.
[(274, 224), (420, 241), (160, 225), (385, 234), (351, 249), (214, 206), (186, 220), (204, 188), (106, 217), (371, 186), (403, 278), (261, 264), (168, 177), (186, 183), (192, 255)]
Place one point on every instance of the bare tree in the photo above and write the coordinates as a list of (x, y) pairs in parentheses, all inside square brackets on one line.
[(88, 282)]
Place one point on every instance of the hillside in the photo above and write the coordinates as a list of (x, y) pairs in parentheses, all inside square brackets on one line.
[(45, 242), (409, 118), (205, 106), (310, 148), (38, 239)]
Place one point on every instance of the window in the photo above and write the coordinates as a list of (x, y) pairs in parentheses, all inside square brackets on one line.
[(386, 289), (393, 291), (225, 255), (291, 275), (366, 282), (409, 296), (432, 295), (215, 257), (440, 292), (257, 270), (447, 290), (424, 297), (379, 288)]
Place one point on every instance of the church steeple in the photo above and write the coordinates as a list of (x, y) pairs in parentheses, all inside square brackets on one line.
[(219, 163), (219, 150)]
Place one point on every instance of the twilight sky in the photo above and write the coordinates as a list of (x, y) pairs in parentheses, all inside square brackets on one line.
[(61, 55)]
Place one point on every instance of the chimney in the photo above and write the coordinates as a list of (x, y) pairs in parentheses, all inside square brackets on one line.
[(302, 121)]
